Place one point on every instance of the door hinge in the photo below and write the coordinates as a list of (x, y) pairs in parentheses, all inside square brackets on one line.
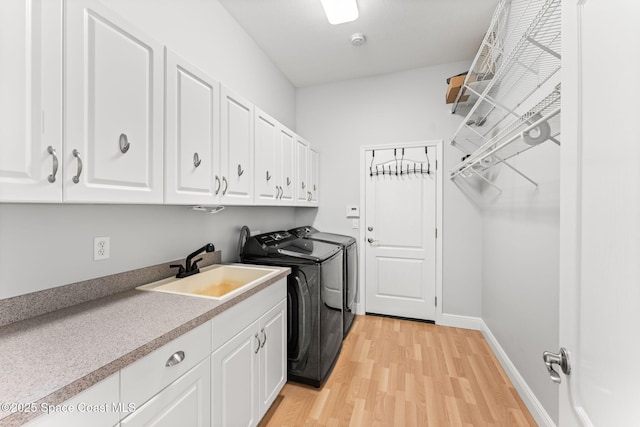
[(436, 233), (436, 165), (436, 301)]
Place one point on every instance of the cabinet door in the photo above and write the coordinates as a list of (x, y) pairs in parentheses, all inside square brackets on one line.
[(114, 80), (267, 175), (273, 355), (236, 148), (31, 100), (288, 171), (234, 380), (192, 124), (186, 402), (302, 159), (314, 165)]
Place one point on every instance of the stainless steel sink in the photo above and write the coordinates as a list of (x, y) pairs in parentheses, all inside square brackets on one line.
[(219, 282)]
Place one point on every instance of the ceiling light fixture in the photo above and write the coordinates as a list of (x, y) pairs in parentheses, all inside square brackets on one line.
[(340, 11)]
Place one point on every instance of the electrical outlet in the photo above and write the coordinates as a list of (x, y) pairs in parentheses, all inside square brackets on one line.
[(100, 248)]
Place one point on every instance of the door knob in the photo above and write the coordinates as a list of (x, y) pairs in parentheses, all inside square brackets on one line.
[(370, 228), (561, 359)]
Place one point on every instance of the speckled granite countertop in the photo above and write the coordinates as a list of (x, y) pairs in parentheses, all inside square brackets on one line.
[(52, 357)]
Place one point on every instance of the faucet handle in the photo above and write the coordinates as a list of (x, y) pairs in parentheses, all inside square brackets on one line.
[(194, 266), (180, 267)]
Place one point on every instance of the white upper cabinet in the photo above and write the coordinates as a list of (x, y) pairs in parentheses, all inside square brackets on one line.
[(31, 101), (314, 164), (267, 172), (287, 159), (192, 139), (114, 85), (236, 148), (302, 160)]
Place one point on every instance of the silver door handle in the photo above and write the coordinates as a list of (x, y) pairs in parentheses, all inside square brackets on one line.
[(76, 178), (264, 340), (258, 347), (175, 358), (52, 178), (561, 359)]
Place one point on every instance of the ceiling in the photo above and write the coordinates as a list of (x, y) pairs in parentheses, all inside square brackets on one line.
[(400, 35)]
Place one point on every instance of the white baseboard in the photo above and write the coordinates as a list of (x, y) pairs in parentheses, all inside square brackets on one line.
[(464, 322), (535, 407)]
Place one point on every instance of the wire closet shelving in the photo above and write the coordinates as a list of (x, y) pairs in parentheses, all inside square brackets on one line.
[(513, 88)]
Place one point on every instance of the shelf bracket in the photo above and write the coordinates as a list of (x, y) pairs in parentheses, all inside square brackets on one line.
[(543, 47)]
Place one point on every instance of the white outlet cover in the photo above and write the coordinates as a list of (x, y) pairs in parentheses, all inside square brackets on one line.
[(101, 248)]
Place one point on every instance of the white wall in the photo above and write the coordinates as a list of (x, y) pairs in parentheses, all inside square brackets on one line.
[(206, 35), (43, 246), (520, 265), (401, 107)]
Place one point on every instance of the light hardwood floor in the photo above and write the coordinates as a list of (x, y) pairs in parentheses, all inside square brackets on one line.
[(402, 373)]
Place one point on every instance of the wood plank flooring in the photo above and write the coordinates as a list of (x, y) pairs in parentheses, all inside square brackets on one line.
[(402, 373)]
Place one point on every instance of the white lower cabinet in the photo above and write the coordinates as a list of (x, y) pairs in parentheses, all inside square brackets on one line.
[(248, 364), (186, 402), (184, 383)]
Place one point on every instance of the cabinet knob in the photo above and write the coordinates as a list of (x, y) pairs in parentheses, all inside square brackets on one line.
[(124, 143), (240, 171), (288, 181), (52, 178), (268, 176), (196, 160)]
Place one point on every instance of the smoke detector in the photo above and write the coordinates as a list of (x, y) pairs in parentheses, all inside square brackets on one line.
[(358, 39)]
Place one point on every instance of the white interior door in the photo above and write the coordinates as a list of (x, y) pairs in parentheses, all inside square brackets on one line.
[(400, 231), (600, 205)]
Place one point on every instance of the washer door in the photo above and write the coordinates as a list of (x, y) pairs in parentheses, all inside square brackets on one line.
[(298, 317)]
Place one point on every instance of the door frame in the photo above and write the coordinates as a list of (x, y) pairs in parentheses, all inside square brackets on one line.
[(364, 168)]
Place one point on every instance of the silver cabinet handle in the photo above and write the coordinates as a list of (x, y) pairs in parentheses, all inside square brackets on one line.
[(124, 143), (226, 185), (281, 192), (218, 186), (268, 176), (303, 185), (76, 178), (308, 196), (315, 188), (196, 160), (175, 358), (288, 181), (240, 171), (258, 347), (277, 192), (264, 339), (561, 359), (52, 178)]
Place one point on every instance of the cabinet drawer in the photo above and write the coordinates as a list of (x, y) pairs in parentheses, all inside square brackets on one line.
[(147, 376), (96, 406), (231, 322)]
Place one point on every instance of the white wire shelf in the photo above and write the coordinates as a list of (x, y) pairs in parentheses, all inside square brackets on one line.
[(519, 54)]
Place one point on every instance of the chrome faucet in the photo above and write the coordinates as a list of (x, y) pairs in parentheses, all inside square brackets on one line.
[(191, 267)]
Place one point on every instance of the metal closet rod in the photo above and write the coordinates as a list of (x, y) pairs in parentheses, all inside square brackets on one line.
[(468, 163)]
